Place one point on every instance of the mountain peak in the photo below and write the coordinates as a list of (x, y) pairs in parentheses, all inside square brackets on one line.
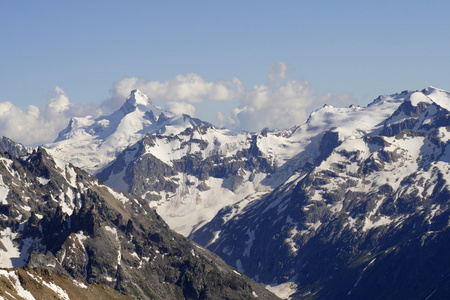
[(431, 89), (139, 98), (428, 95), (135, 99), (439, 96)]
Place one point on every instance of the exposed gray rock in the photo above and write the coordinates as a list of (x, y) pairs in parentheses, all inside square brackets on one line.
[(66, 221), (13, 148)]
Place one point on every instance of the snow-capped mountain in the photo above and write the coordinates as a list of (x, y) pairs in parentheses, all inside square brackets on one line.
[(13, 148), (191, 175), (344, 193), (91, 143), (369, 217), (71, 231)]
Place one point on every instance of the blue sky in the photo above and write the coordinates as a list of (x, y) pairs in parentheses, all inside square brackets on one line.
[(298, 54)]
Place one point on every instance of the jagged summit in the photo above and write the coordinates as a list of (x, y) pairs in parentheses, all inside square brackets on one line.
[(137, 99), (91, 143), (427, 95), (432, 89), (439, 96), (15, 149)]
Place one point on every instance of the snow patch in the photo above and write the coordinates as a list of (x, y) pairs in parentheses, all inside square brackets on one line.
[(14, 280), (43, 181), (440, 97), (15, 256), (381, 221), (4, 190), (58, 290), (293, 248), (119, 196), (419, 97), (284, 290), (79, 284)]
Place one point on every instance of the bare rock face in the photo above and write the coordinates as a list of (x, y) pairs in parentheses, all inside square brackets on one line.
[(58, 218), (13, 148)]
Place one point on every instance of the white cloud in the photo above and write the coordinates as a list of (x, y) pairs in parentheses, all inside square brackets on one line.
[(191, 88), (35, 126), (282, 102), (181, 108), (281, 106), (59, 104), (278, 71)]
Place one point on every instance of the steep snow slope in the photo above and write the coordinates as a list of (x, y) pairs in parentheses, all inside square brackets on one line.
[(210, 168), (92, 143), (213, 168), (371, 209)]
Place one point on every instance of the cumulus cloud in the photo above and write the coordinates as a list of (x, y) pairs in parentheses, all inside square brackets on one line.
[(189, 88), (282, 102), (59, 103), (181, 108), (34, 126), (280, 106)]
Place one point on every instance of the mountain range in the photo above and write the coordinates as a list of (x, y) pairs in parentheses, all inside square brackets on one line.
[(67, 231), (351, 204), (368, 219)]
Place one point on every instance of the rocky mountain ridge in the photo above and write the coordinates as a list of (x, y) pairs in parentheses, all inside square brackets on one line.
[(57, 218), (91, 143)]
